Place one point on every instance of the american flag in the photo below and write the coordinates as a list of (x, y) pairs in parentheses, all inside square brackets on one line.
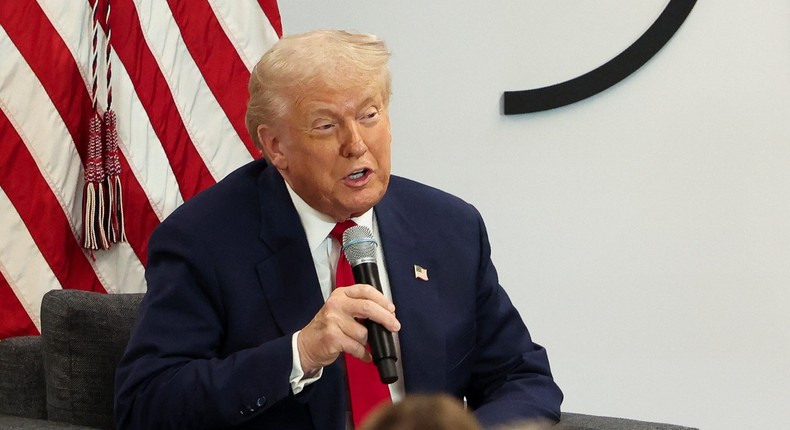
[(420, 272), (179, 88)]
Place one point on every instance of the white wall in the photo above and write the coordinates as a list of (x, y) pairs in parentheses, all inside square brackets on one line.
[(643, 233)]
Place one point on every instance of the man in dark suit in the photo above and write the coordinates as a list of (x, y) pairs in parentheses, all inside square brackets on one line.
[(242, 326)]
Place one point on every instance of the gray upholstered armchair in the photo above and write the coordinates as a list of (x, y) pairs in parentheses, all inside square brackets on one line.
[(64, 378)]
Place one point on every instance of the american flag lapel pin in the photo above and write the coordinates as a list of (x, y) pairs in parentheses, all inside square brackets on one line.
[(420, 272)]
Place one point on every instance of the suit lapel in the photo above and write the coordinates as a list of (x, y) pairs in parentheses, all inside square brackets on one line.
[(286, 272), (422, 348), (288, 279)]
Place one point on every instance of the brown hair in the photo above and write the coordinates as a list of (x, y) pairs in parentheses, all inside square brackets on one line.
[(422, 412)]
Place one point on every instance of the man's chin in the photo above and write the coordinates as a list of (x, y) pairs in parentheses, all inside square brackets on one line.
[(358, 208)]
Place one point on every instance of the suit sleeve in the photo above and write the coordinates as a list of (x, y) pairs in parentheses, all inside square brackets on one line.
[(174, 373), (511, 379)]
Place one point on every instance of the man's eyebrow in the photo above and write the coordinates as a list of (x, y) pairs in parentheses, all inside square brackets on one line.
[(325, 109), (321, 111)]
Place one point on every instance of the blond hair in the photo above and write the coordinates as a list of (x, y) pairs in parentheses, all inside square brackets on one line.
[(298, 63)]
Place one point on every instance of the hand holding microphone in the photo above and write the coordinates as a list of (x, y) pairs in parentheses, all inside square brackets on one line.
[(336, 327), (359, 247)]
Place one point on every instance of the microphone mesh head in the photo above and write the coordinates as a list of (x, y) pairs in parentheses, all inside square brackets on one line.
[(359, 246)]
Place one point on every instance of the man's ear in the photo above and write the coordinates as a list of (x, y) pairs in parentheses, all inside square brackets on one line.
[(271, 147)]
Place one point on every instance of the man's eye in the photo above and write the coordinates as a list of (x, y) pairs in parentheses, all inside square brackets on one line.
[(322, 127), (372, 114)]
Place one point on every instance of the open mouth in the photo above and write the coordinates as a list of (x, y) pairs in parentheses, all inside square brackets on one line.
[(357, 174)]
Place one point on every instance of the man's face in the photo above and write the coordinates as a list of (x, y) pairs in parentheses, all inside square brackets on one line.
[(333, 148)]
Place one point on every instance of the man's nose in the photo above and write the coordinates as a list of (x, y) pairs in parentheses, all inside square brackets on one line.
[(352, 144)]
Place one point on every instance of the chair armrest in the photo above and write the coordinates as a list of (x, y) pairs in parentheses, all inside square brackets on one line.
[(23, 390), (85, 334), (21, 423), (570, 421)]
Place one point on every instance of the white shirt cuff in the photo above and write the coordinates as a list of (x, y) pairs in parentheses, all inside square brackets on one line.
[(297, 379)]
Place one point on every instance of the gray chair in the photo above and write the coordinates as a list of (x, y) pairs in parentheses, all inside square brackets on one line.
[(66, 375), (64, 378)]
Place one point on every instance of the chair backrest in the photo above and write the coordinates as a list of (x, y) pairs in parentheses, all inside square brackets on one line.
[(85, 334)]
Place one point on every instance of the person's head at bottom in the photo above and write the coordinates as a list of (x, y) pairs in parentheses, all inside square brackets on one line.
[(422, 412)]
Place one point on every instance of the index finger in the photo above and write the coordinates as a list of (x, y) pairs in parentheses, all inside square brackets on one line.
[(368, 292)]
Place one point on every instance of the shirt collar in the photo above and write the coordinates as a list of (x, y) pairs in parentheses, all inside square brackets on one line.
[(317, 225)]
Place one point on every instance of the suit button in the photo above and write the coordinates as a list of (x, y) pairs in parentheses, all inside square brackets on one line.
[(261, 401)]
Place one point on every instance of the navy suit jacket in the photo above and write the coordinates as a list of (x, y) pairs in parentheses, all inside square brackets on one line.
[(231, 278)]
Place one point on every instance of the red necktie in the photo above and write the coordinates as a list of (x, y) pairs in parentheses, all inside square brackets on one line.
[(365, 387)]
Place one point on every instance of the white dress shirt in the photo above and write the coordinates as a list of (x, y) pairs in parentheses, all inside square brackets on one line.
[(325, 252)]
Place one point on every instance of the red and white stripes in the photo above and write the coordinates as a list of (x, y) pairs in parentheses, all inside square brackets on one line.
[(177, 73)]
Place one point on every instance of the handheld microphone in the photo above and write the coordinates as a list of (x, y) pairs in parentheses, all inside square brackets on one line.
[(359, 247)]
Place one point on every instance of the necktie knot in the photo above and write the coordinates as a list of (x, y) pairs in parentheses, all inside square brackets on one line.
[(340, 228), (344, 275)]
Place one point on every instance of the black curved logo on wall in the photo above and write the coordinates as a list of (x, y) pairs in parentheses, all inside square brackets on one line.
[(614, 71)]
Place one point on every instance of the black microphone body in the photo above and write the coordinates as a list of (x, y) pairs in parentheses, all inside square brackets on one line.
[(382, 346)]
